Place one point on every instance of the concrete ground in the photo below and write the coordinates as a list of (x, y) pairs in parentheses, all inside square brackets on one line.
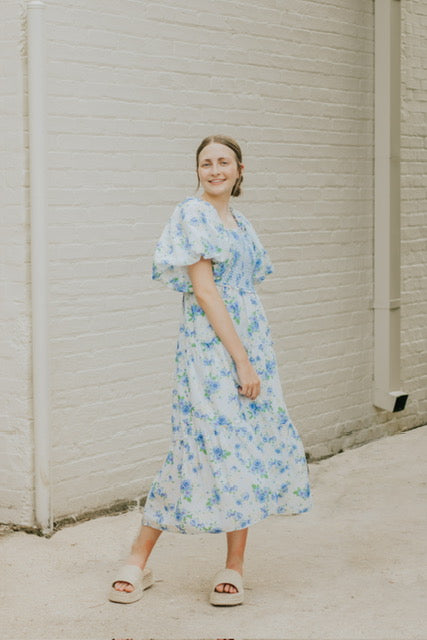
[(351, 568)]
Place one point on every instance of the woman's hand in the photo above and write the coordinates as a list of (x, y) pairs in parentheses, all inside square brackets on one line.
[(250, 384)]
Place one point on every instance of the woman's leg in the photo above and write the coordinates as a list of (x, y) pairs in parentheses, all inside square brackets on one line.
[(141, 549), (236, 544)]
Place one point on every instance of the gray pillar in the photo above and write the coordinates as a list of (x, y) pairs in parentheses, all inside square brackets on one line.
[(387, 393)]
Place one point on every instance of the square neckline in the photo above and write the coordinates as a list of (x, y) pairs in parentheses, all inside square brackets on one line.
[(233, 213)]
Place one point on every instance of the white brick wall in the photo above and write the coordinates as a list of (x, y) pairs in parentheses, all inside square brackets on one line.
[(133, 87), (16, 484), (414, 207)]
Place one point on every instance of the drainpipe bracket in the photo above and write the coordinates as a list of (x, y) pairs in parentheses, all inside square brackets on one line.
[(391, 305), (392, 401)]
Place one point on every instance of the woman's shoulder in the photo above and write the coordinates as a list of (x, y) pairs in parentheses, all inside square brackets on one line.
[(196, 212), (192, 203)]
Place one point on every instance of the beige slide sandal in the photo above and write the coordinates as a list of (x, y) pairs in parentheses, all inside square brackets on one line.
[(138, 578), (227, 576)]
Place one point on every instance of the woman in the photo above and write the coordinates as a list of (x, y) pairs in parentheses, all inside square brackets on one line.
[(235, 457)]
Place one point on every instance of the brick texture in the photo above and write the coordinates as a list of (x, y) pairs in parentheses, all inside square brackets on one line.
[(413, 208), (16, 481)]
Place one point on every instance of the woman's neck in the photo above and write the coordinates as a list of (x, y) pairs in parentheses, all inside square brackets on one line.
[(221, 204)]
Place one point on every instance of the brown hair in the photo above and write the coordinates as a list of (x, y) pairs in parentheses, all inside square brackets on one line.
[(231, 144)]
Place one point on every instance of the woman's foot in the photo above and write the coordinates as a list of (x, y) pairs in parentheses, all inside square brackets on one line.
[(141, 549), (126, 586), (131, 574), (225, 587)]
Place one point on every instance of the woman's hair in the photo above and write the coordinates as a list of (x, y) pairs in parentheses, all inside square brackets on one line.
[(231, 144)]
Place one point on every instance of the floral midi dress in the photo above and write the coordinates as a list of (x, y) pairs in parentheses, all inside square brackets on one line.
[(232, 461)]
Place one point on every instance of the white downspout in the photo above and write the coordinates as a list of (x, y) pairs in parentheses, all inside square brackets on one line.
[(38, 209), (387, 208)]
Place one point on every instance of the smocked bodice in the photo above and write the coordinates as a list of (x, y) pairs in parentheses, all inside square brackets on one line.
[(237, 271), (195, 230)]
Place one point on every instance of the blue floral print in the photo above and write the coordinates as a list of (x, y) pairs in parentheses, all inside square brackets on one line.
[(232, 461)]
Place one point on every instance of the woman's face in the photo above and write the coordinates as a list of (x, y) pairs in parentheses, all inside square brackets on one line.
[(218, 169)]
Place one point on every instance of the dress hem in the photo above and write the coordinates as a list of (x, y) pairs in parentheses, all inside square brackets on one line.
[(195, 531)]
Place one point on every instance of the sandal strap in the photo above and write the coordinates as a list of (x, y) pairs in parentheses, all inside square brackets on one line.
[(129, 573), (228, 576)]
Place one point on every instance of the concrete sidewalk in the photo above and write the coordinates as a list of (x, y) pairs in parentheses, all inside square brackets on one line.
[(352, 568)]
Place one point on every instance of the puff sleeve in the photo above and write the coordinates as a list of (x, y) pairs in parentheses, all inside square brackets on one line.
[(192, 232)]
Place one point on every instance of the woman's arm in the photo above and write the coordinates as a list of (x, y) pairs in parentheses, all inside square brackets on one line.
[(209, 299)]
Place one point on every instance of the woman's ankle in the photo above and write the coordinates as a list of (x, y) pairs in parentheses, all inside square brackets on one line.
[(235, 564), (135, 558)]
